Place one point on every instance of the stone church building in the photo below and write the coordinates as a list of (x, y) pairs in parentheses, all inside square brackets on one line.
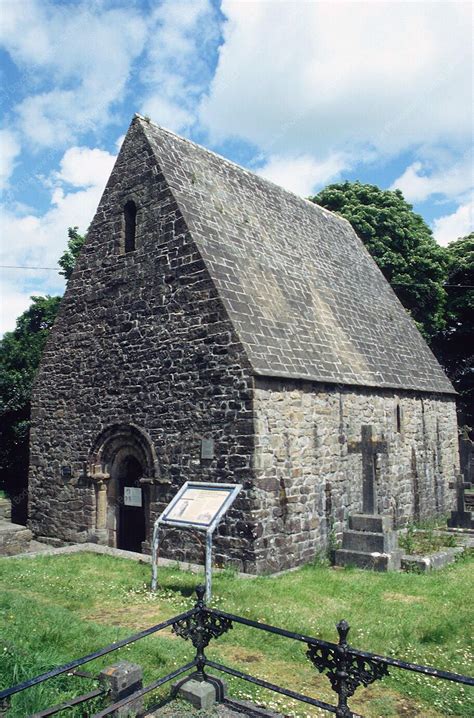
[(219, 328)]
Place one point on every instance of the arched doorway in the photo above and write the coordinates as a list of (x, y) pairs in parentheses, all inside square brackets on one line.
[(131, 531), (123, 466)]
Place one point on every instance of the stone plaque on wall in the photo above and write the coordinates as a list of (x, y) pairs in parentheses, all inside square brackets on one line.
[(207, 448)]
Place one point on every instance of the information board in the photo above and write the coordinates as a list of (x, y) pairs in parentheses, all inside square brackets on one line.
[(197, 506)]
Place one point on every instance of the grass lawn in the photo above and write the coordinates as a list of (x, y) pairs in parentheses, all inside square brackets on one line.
[(54, 609)]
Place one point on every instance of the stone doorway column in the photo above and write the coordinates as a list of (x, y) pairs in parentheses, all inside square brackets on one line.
[(101, 480)]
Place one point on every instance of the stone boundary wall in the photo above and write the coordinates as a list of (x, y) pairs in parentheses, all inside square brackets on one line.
[(307, 483)]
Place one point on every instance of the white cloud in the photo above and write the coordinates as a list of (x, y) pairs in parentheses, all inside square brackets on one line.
[(452, 226), (41, 238), (176, 68), (167, 113), (324, 77), (119, 142), (84, 51), (301, 174), (12, 305), (85, 167), (9, 151), (417, 184), (38, 240)]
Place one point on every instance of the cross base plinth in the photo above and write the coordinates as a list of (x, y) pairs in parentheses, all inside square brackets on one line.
[(370, 542)]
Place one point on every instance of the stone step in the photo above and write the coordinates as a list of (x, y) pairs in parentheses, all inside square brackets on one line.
[(5, 509), (14, 538), (374, 561), (369, 542), (370, 522)]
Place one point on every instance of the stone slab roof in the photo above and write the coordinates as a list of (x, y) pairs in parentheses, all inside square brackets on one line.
[(303, 294)]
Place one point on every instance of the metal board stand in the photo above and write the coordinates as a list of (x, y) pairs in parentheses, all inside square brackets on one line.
[(197, 505)]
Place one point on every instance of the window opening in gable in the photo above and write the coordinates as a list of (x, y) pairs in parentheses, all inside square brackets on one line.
[(130, 216)]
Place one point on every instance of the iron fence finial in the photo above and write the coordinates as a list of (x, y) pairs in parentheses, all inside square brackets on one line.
[(200, 592), (343, 629)]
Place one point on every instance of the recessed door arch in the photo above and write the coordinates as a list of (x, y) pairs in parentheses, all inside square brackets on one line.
[(123, 462)]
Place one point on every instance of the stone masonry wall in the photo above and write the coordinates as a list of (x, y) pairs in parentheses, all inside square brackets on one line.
[(306, 482), (142, 340)]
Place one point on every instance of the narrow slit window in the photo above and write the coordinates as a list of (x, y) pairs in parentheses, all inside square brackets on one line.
[(399, 419), (130, 215)]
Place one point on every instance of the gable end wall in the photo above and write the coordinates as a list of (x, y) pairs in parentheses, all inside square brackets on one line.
[(142, 339)]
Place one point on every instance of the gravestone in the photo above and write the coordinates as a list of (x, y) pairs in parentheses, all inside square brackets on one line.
[(460, 518), (466, 458), (370, 542)]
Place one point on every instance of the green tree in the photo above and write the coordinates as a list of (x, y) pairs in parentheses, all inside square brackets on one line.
[(20, 353), (68, 259), (454, 345), (400, 242)]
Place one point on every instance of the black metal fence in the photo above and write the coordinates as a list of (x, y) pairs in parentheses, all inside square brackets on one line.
[(346, 667)]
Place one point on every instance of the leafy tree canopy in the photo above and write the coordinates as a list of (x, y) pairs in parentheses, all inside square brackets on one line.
[(20, 353), (401, 243), (21, 349), (68, 259), (460, 305), (454, 345)]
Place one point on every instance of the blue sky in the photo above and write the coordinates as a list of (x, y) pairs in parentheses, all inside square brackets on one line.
[(304, 93)]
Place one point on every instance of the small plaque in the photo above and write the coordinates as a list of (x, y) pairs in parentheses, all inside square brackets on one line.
[(132, 496), (207, 449)]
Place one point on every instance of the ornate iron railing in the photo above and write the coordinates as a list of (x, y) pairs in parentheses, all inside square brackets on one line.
[(72, 666), (347, 668)]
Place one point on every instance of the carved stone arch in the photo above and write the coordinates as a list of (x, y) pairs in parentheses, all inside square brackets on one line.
[(117, 438), (117, 447)]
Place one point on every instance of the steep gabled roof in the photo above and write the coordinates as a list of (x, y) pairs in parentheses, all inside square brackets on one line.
[(303, 294)]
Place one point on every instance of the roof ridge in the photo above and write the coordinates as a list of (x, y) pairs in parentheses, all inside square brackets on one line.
[(316, 207)]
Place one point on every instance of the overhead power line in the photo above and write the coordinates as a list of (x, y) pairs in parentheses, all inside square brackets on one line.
[(392, 284), (19, 266)]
